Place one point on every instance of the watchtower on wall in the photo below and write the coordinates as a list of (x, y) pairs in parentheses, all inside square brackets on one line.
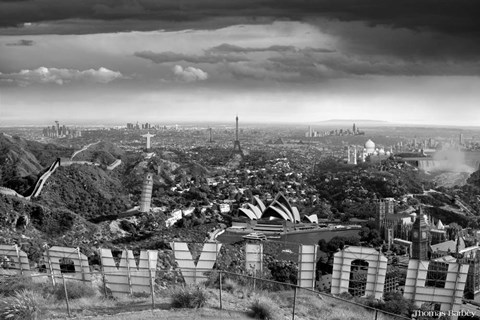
[(146, 198)]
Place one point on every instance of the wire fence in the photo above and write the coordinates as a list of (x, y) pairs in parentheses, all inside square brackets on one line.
[(161, 280)]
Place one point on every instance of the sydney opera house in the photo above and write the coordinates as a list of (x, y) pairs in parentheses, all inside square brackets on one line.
[(279, 209)]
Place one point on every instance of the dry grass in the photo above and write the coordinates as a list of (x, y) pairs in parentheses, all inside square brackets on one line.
[(264, 308), (189, 297), (238, 303), (23, 305)]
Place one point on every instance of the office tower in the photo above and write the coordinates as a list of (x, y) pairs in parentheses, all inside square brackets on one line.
[(57, 128), (210, 139)]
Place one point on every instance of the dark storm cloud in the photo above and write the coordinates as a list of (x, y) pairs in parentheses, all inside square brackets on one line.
[(224, 53), (21, 43), (458, 17), (162, 57), (230, 48)]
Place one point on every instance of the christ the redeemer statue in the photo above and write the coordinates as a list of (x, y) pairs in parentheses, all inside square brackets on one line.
[(148, 136)]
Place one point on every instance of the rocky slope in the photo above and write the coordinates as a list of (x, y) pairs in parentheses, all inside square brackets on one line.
[(22, 161)]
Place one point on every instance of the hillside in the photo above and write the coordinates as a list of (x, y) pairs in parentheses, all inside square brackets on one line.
[(86, 190), (103, 153), (22, 161), (352, 191), (31, 225), (79, 193)]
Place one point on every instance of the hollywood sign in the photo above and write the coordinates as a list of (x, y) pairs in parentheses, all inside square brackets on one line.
[(449, 298), (131, 275)]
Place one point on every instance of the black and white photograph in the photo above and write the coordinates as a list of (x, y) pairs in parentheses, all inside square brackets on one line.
[(255, 159)]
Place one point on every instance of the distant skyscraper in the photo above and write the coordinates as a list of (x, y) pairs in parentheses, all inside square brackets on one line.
[(354, 129), (146, 198), (236, 145), (148, 136), (210, 139), (461, 138), (58, 128)]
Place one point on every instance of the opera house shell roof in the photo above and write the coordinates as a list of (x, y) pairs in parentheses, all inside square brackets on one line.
[(280, 208)]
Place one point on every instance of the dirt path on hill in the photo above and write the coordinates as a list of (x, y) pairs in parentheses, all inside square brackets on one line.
[(180, 314)]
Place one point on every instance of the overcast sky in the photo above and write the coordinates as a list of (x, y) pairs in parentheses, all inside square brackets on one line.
[(113, 61)]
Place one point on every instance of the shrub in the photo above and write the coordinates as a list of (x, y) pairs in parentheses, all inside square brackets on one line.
[(263, 308), (213, 280), (75, 290), (396, 303), (10, 286), (230, 285), (24, 305), (283, 271), (345, 295), (189, 297)]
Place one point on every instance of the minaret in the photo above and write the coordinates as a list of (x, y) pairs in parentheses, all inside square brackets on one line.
[(146, 198), (236, 145), (148, 136)]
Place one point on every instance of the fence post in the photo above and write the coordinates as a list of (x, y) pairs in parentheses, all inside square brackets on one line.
[(152, 288), (376, 314), (129, 276), (104, 280), (220, 289), (81, 264), (19, 259), (294, 301), (50, 268), (66, 296)]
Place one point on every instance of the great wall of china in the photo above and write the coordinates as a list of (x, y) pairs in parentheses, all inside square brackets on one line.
[(58, 162)]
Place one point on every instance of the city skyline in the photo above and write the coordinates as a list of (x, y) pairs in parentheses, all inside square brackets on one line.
[(282, 62)]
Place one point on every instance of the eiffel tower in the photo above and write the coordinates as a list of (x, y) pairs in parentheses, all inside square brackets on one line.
[(236, 144)]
